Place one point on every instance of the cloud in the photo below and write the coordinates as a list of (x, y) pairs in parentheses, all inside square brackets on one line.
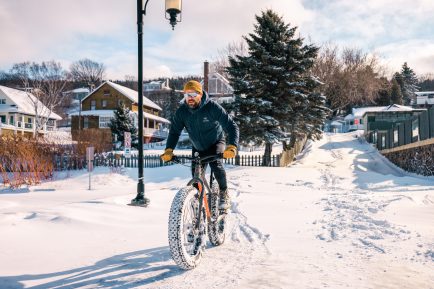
[(105, 31), (418, 54)]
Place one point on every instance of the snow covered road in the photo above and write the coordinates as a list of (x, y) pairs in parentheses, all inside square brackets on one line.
[(340, 217)]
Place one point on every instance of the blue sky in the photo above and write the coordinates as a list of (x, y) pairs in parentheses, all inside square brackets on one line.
[(105, 31)]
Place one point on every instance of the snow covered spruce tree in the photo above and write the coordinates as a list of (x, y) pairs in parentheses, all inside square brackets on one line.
[(276, 98), (123, 122), (408, 81)]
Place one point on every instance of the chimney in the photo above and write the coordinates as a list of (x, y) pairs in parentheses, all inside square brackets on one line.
[(205, 75)]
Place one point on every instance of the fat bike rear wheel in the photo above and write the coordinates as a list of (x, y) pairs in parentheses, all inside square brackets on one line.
[(186, 241), (216, 228)]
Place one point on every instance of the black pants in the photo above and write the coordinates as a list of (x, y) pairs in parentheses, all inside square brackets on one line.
[(216, 166)]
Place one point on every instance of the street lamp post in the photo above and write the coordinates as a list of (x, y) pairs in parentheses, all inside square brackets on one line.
[(173, 9)]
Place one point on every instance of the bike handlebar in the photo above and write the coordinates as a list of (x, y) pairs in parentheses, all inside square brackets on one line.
[(210, 158)]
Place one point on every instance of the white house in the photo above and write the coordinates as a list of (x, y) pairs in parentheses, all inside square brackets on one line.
[(18, 113), (424, 97), (156, 85), (354, 120), (219, 88)]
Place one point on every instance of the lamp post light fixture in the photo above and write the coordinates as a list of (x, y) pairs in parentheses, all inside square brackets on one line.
[(173, 9)]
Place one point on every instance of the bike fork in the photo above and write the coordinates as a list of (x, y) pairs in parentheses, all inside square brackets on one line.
[(203, 202)]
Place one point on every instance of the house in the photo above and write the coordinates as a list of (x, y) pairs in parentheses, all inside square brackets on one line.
[(156, 85), (354, 120), (217, 86), (423, 98), (20, 111), (337, 125), (71, 105), (78, 93), (98, 108), (396, 125)]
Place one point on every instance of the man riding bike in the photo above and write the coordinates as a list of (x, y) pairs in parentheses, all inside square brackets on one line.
[(205, 120)]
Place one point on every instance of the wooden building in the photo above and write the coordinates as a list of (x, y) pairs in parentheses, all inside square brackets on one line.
[(98, 108), (397, 125)]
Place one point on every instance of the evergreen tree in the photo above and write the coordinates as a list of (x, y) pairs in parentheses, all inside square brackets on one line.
[(408, 82), (276, 98), (123, 122), (173, 103), (384, 94), (395, 93)]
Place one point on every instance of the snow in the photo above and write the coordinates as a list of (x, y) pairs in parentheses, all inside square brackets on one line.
[(96, 112), (130, 93), (360, 112), (341, 216), (24, 102)]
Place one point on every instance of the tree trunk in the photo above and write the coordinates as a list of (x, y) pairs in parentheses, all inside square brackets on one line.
[(266, 161), (292, 141), (285, 146)]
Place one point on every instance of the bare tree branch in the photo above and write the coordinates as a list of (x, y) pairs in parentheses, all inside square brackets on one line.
[(88, 72)]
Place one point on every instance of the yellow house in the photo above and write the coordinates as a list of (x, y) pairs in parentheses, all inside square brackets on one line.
[(19, 112), (98, 108)]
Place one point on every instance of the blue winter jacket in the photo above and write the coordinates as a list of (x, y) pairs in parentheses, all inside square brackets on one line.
[(204, 124)]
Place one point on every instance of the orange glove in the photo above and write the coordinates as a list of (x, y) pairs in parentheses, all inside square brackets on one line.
[(167, 156), (230, 152)]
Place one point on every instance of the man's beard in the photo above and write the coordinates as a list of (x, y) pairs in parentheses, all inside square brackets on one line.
[(193, 103)]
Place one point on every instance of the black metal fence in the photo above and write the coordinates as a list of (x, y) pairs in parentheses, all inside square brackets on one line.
[(67, 162)]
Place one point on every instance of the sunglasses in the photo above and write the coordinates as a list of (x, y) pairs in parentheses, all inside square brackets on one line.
[(191, 94)]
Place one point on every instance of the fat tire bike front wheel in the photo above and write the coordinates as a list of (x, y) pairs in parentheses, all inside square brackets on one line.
[(187, 239)]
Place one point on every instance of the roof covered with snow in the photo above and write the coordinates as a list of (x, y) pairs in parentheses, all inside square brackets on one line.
[(79, 90), (128, 92), (24, 102), (359, 112), (110, 113), (423, 93)]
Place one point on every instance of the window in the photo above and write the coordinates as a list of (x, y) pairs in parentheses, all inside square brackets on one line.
[(104, 103), (361, 121), (395, 136), (11, 120), (383, 141), (104, 121), (92, 104), (86, 122), (29, 120), (120, 102), (151, 124), (3, 119), (106, 92), (415, 128), (3, 101), (374, 138)]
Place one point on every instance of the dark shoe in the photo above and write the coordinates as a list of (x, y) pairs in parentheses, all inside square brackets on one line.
[(225, 200)]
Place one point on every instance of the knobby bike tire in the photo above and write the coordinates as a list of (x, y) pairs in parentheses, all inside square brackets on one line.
[(216, 233), (178, 250)]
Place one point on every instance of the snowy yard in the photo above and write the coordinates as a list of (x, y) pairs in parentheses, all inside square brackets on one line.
[(340, 217)]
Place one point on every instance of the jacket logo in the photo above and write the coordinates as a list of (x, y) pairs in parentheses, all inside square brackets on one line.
[(205, 119)]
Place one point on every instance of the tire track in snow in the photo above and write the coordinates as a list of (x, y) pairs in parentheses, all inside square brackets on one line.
[(244, 247), (350, 214)]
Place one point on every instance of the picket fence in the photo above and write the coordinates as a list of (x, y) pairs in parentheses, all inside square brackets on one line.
[(65, 162)]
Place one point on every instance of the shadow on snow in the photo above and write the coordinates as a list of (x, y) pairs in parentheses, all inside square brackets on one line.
[(129, 270)]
